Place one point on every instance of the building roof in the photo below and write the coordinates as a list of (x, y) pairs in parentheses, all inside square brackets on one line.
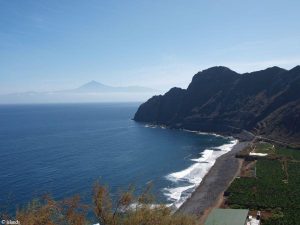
[(227, 217)]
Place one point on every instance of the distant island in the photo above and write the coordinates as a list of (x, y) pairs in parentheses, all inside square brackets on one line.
[(264, 104), (96, 87), (92, 91)]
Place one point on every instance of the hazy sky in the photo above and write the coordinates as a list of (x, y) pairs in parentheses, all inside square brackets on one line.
[(58, 44)]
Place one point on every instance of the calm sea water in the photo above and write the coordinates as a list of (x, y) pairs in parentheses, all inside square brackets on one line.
[(64, 149)]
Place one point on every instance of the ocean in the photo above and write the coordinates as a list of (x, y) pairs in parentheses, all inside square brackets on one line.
[(63, 149)]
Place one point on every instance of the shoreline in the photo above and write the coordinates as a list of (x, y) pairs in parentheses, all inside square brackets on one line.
[(195, 173), (209, 193)]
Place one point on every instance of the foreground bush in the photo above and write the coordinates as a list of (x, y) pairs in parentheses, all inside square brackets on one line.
[(127, 210)]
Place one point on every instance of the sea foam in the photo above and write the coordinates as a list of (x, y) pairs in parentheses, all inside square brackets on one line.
[(193, 175)]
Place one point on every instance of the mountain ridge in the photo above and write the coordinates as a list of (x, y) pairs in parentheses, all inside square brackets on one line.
[(266, 103)]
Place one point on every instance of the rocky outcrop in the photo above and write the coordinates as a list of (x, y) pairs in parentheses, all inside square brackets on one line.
[(266, 103)]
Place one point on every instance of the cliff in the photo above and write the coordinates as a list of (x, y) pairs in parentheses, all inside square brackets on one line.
[(265, 103)]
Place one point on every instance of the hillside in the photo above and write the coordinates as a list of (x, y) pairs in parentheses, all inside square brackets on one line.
[(266, 103)]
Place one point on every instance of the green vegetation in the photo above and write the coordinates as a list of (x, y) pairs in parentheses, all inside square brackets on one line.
[(292, 154), (275, 189), (127, 210), (288, 152)]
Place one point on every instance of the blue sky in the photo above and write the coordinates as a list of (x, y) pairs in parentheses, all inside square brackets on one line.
[(58, 44)]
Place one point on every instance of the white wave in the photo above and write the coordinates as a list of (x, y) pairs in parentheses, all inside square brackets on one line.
[(186, 130), (136, 205), (175, 193), (194, 174), (206, 154), (151, 126), (202, 133), (155, 126)]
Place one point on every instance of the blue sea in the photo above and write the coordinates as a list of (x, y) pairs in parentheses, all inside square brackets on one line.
[(63, 149)]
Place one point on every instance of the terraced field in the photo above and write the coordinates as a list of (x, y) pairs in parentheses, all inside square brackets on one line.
[(276, 188)]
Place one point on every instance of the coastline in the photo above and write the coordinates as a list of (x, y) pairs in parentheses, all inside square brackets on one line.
[(195, 173), (209, 193)]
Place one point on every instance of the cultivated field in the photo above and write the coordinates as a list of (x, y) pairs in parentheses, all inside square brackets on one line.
[(274, 188)]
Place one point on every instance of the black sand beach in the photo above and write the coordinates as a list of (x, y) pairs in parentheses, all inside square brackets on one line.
[(211, 189)]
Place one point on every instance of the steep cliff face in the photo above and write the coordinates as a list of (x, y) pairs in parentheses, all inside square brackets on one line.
[(161, 109), (218, 99)]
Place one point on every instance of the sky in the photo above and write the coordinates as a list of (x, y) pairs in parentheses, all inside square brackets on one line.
[(61, 44)]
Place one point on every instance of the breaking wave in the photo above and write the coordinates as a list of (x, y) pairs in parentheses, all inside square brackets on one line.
[(188, 179)]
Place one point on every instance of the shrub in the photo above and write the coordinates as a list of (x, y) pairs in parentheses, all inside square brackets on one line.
[(126, 210)]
